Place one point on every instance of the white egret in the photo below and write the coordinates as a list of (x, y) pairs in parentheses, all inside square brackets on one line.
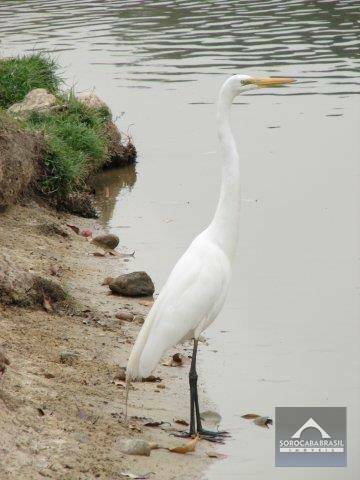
[(197, 286)]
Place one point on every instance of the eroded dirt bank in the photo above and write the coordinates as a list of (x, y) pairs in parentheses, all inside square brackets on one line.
[(64, 420)]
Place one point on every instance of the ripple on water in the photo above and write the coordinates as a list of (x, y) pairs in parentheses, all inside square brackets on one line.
[(201, 37)]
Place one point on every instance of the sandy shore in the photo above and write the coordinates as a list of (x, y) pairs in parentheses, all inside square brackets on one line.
[(65, 421)]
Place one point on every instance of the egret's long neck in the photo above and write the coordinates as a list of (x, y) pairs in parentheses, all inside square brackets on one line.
[(225, 224)]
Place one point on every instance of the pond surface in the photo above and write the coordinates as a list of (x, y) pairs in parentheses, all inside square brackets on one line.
[(289, 333)]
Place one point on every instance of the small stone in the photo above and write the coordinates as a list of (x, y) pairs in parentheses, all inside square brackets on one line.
[(124, 315), (68, 357), (108, 241), (135, 284), (91, 100), (38, 99)]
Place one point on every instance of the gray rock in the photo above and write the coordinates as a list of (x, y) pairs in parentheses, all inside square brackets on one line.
[(109, 240), (135, 284), (38, 99)]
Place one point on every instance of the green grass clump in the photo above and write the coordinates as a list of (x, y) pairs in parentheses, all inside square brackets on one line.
[(76, 137), (76, 145), (24, 73)]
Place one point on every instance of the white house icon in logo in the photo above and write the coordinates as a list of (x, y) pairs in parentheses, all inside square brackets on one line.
[(311, 424)]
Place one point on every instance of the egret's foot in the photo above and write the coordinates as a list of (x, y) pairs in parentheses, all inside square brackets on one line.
[(210, 438), (214, 437), (218, 440)]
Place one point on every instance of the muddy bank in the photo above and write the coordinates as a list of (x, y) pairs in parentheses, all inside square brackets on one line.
[(25, 167), (61, 412), (53, 141), (20, 154)]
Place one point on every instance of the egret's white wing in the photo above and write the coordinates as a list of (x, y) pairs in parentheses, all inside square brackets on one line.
[(192, 295)]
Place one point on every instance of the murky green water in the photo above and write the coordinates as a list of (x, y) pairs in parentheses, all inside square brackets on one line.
[(288, 335)]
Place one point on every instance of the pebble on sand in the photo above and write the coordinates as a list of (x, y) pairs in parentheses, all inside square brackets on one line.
[(124, 315), (108, 241), (135, 284)]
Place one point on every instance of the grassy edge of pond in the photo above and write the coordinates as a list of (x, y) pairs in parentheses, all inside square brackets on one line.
[(74, 140)]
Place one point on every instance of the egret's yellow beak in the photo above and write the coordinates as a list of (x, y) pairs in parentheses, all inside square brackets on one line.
[(269, 81)]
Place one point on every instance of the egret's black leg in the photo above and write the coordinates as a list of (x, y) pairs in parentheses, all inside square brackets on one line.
[(194, 406), (209, 435), (193, 396), (193, 393)]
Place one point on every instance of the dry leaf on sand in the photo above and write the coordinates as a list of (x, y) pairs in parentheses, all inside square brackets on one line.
[(180, 421), (216, 455), (260, 421), (186, 447), (153, 423), (99, 253), (74, 228), (177, 360), (250, 416), (152, 379)]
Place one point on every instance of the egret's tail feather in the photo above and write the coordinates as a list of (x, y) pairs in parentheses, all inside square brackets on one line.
[(132, 368)]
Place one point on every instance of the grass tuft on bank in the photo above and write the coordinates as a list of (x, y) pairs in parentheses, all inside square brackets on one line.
[(21, 74), (76, 139), (75, 145)]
